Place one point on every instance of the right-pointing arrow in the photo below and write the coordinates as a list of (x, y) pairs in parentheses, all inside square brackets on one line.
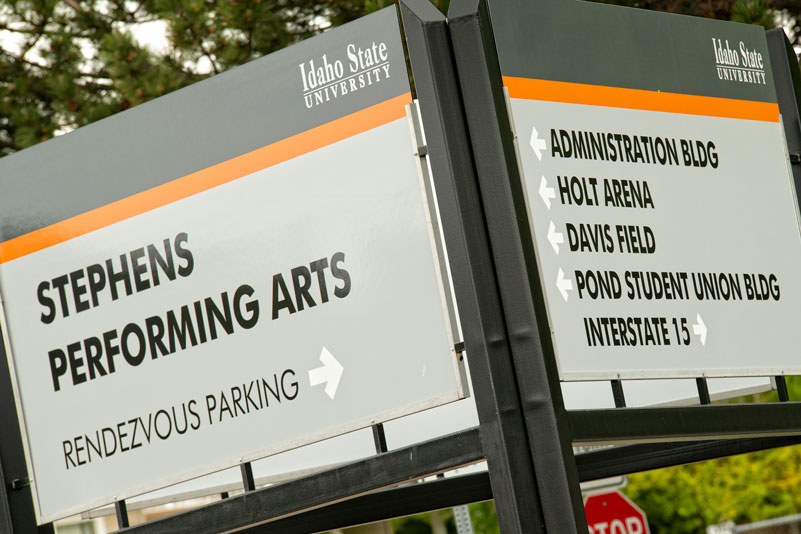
[(329, 374), (555, 237), (699, 329), (547, 193), (563, 284)]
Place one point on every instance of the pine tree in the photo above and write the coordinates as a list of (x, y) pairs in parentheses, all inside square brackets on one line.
[(64, 64), (67, 63)]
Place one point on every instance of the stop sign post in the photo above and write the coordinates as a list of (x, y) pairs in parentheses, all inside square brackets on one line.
[(614, 513)]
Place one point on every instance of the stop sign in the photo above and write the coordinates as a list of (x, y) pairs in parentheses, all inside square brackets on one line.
[(614, 513)]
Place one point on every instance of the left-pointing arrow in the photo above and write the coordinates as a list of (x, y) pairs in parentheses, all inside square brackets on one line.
[(537, 144), (329, 374), (546, 193), (556, 238), (563, 284)]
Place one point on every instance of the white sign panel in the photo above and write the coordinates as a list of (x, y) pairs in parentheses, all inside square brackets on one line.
[(658, 190), (663, 269), (276, 298)]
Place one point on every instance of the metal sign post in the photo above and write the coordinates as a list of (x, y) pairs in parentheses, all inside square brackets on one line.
[(522, 300), (487, 337)]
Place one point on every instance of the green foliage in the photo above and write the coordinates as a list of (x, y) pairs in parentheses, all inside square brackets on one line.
[(421, 524), (744, 489), (64, 64), (411, 525), (753, 12), (484, 517)]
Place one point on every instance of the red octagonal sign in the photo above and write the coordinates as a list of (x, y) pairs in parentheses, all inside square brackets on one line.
[(614, 513)]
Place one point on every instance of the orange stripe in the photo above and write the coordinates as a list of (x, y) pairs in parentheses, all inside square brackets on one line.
[(205, 179), (616, 97)]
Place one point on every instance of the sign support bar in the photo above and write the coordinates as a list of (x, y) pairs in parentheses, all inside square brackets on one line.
[(441, 493), (248, 482), (487, 338), (686, 422), (379, 438), (395, 467), (629, 459), (121, 509), (514, 260), (618, 394), (703, 390)]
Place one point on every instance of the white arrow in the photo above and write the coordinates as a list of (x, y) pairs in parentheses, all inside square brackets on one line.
[(563, 284), (537, 144), (555, 237), (329, 374), (699, 329), (547, 193)]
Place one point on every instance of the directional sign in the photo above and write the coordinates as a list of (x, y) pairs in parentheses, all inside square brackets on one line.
[(614, 513), (657, 188), (234, 270)]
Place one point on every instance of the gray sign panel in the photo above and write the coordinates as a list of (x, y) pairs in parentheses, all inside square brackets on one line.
[(235, 270), (657, 189), (231, 114)]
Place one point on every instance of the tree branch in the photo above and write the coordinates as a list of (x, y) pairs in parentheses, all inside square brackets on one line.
[(33, 42), (205, 52)]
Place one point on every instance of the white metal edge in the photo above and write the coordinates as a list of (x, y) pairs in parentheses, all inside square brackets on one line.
[(438, 249), (790, 176), (743, 372)]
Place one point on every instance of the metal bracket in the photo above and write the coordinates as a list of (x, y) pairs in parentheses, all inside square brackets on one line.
[(248, 482), (121, 508), (420, 147), (19, 483)]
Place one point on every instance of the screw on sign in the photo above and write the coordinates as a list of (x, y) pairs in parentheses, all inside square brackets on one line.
[(614, 513)]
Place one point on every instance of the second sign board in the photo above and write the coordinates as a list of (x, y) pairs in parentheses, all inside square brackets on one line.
[(658, 191)]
